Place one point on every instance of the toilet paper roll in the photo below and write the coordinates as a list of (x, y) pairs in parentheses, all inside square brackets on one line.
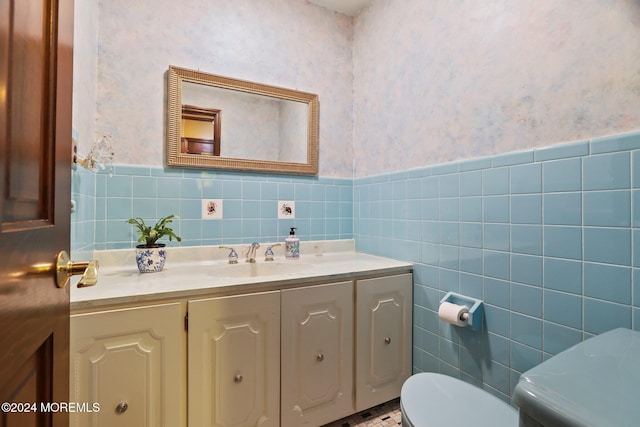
[(455, 314)]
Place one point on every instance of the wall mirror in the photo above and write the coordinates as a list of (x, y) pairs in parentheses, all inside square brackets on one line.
[(225, 123)]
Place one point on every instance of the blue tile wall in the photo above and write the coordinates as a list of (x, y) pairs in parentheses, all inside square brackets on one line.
[(83, 189), (548, 238), (104, 203)]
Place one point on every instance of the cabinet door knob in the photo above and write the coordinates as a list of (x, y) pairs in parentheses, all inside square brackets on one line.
[(121, 407), (387, 340), (320, 357), (238, 378)]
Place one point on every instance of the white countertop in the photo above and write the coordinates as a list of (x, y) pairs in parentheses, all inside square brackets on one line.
[(204, 271)]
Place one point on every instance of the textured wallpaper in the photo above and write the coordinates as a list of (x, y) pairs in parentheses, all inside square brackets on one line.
[(406, 84), (85, 58), (441, 80), (288, 43)]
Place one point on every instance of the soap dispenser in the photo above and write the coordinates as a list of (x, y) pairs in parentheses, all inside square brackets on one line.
[(292, 245)]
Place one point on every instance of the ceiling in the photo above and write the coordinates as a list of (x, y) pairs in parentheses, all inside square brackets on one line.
[(348, 7)]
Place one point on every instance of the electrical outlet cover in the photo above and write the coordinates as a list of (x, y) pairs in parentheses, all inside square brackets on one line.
[(286, 209), (211, 209)]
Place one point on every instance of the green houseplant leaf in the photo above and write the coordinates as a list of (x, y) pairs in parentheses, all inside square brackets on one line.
[(150, 235)]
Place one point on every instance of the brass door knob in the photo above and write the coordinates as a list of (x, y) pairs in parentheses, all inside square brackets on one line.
[(65, 268)]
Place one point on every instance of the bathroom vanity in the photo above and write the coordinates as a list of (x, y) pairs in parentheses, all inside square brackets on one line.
[(269, 343)]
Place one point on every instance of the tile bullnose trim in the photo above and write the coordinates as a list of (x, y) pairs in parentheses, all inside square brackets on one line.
[(574, 149), (620, 142)]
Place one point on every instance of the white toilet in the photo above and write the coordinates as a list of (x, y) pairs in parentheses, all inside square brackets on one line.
[(436, 400), (594, 383)]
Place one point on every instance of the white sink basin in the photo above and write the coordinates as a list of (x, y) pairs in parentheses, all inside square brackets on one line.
[(258, 269)]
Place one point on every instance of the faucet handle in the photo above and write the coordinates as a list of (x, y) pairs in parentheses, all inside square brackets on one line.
[(268, 254), (233, 255)]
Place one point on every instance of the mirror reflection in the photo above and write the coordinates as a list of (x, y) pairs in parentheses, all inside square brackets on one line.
[(219, 122), (200, 130)]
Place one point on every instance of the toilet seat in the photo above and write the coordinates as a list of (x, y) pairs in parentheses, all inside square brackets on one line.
[(436, 400)]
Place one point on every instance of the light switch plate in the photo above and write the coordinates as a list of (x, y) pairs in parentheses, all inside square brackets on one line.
[(286, 209), (211, 209)]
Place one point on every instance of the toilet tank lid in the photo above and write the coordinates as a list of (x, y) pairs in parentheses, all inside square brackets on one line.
[(594, 383), (440, 400)]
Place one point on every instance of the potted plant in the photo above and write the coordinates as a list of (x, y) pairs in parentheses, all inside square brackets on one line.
[(150, 255)]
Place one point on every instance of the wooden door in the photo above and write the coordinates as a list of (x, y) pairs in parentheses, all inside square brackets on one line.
[(317, 354), (234, 361), (383, 338), (36, 54)]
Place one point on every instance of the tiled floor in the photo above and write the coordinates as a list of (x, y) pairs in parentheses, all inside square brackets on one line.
[(387, 414)]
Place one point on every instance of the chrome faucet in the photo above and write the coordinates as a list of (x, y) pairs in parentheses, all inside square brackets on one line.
[(233, 255), (251, 253), (268, 254)]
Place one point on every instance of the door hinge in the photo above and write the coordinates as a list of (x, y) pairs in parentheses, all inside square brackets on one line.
[(186, 321)]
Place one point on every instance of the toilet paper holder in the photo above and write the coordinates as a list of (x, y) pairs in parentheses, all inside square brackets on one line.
[(475, 320)]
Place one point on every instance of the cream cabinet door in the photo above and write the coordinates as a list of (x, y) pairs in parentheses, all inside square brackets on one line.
[(234, 360), (129, 362), (317, 354), (383, 338)]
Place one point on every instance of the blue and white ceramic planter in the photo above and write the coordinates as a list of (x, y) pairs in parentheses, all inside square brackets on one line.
[(150, 259)]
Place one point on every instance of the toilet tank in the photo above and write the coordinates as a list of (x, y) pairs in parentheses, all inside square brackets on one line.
[(594, 383)]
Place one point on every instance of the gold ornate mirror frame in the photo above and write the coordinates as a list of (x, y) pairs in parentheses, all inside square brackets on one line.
[(176, 157)]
